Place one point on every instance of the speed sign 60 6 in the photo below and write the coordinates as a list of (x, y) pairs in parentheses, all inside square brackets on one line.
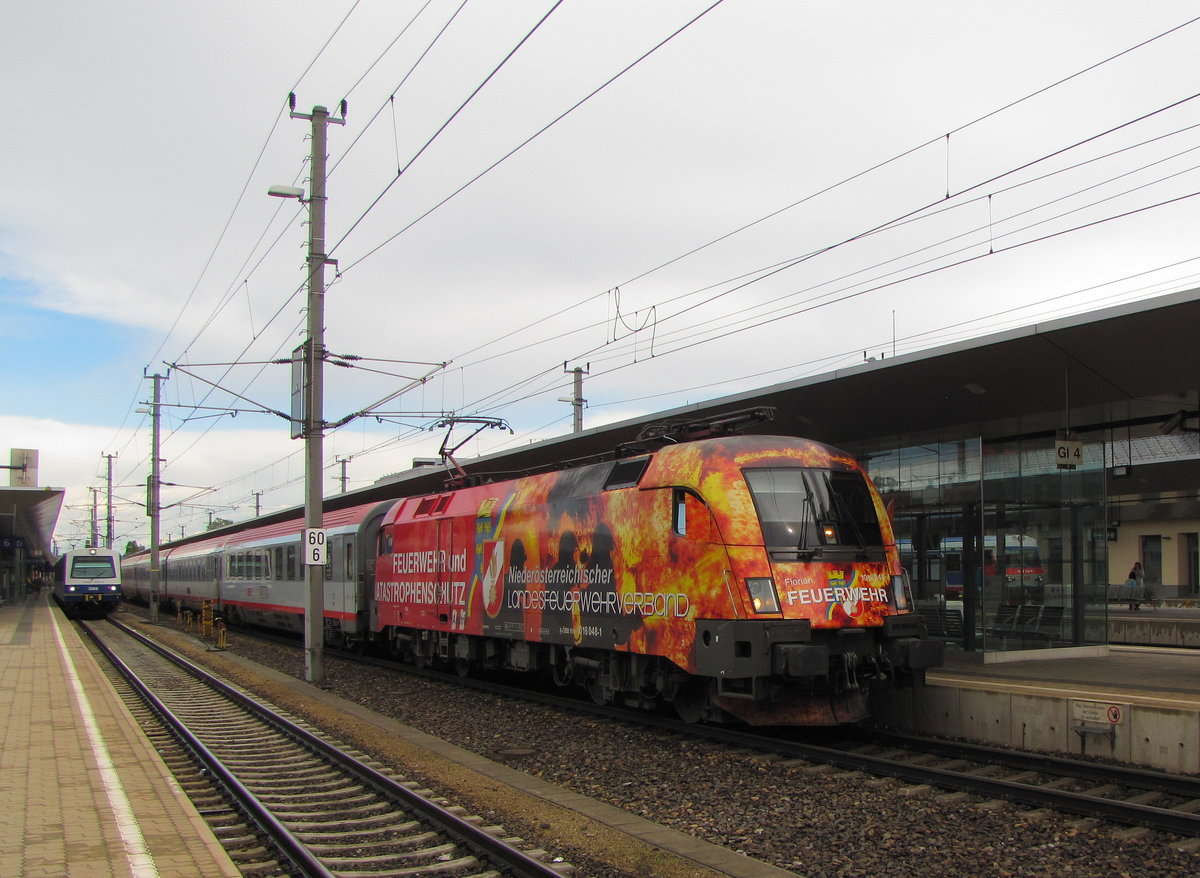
[(314, 545)]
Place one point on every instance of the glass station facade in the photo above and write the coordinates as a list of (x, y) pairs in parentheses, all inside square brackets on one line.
[(1005, 548)]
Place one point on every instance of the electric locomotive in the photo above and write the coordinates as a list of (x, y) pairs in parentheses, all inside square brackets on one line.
[(747, 576), (87, 582)]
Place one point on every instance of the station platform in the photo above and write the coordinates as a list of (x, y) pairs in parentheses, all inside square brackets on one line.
[(82, 791), (1138, 705), (1163, 625)]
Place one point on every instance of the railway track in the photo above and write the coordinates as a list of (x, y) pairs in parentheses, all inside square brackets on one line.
[(1105, 791), (286, 801), (1120, 794)]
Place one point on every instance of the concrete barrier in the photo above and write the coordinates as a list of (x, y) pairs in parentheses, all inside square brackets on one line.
[(1134, 730)]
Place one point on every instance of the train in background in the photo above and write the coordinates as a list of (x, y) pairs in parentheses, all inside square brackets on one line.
[(87, 582), (1011, 567), (747, 577)]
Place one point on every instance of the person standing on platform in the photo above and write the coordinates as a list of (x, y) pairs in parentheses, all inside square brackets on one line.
[(1137, 585)]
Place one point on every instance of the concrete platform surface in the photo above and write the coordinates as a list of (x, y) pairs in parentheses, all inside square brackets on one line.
[(82, 792)]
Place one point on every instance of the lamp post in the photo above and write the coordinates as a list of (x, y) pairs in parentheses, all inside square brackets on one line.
[(153, 495), (313, 547)]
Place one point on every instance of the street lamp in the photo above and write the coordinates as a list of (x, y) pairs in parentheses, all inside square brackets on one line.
[(286, 192)]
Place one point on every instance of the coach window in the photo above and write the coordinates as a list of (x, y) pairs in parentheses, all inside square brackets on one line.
[(329, 549), (349, 560), (291, 563), (278, 571)]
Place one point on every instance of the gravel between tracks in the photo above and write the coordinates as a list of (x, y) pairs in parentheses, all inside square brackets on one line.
[(795, 817)]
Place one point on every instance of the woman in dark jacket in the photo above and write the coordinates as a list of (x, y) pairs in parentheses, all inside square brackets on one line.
[(1137, 586)]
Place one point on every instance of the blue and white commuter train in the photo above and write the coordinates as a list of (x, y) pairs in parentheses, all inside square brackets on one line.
[(87, 582)]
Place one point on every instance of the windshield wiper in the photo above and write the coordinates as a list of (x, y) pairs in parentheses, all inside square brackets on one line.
[(807, 514)]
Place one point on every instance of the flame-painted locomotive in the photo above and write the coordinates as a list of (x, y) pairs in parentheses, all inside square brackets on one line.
[(754, 577)]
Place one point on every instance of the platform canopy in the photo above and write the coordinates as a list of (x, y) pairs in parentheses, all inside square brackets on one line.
[(1129, 370), (30, 514)]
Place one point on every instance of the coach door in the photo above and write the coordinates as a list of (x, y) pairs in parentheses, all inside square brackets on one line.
[(444, 565), (366, 550)]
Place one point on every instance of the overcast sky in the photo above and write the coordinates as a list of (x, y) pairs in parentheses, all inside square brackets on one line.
[(688, 200)]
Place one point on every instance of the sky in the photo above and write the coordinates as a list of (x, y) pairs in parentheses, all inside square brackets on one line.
[(685, 199)]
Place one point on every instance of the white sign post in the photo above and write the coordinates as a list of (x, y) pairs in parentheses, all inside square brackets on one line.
[(314, 546)]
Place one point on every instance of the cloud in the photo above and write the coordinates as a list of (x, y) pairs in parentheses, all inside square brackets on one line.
[(145, 136)]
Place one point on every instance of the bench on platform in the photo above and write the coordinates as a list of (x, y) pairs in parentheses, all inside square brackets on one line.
[(1027, 622), (940, 622)]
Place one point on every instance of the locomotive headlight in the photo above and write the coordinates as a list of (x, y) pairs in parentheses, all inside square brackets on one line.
[(901, 594), (112, 588), (762, 594)]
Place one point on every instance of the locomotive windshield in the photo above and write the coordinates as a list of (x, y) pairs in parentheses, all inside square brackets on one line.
[(809, 511), (93, 568)]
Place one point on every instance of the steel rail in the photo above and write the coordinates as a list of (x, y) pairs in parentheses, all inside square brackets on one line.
[(1166, 819), (517, 862), (1185, 786), (301, 858)]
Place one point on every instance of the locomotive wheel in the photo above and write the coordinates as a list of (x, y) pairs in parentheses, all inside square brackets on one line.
[(596, 691), (462, 667), (691, 701)]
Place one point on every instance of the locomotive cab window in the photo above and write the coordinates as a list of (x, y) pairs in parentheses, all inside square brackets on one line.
[(814, 511), (92, 567), (690, 516)]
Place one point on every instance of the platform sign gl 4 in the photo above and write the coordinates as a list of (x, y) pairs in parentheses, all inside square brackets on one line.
[(1068, 453)]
